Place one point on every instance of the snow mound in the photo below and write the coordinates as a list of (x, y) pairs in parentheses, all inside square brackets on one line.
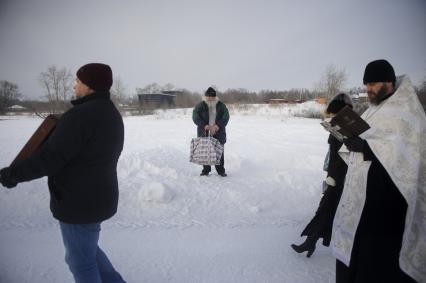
[(156, 192)]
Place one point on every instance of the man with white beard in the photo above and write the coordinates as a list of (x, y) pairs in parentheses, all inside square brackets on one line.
[(211, 117), (379, 231)]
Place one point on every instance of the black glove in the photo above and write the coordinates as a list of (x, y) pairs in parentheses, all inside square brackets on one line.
[(6, 180), (354, 144)]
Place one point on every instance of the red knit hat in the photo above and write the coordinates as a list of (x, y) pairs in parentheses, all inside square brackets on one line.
[(97, 76)]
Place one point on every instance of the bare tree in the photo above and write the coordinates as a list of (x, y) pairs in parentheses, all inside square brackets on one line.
[(118, 91), (332, 81), (168, 87), (187, 99), (8, 94), (239, 96), (155, 88), (150, 88), (57, 83)]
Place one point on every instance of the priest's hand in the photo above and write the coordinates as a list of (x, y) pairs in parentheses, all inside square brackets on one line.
[(5, 178), (354, 144)]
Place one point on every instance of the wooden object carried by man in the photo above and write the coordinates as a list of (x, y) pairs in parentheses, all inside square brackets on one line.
[(38, 138), (346, 124)]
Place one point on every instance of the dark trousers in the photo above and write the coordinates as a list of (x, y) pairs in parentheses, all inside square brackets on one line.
[(374, 260), (219, 168)]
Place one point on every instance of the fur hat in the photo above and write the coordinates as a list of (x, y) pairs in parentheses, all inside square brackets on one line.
[(338, 102), (210, 92), (379, 71), (97, 76)]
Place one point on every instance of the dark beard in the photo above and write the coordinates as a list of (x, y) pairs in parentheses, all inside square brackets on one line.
[(377, 98)]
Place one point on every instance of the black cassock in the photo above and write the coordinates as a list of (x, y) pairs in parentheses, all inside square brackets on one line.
[(378, 238)]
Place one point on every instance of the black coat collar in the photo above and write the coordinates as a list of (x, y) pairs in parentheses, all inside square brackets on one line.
[(95, 95)]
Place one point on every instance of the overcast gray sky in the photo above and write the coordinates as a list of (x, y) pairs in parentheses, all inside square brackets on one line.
[(193, 44)]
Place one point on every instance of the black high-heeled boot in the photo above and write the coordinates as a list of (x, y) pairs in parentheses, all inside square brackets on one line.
[(308, 245)]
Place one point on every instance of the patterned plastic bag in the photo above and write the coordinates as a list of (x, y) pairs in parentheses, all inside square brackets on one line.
[(206, 151)]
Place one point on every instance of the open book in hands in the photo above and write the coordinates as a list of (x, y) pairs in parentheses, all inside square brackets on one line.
[(346, 124)]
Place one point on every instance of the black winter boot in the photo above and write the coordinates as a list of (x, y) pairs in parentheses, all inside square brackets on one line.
[(308, 245)]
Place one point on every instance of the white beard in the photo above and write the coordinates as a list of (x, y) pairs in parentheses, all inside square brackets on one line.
[(211, 103), (212, 109)]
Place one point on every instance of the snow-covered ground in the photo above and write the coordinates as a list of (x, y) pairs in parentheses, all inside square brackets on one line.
[(173, 225)]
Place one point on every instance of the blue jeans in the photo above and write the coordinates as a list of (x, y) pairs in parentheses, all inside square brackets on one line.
[(87, 262)]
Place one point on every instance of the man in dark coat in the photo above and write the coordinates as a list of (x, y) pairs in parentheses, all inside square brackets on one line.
[(211, 117), (383, 187), (321, 224), (80, 159)]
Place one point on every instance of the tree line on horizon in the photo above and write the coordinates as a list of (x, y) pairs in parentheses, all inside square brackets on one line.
[(57, 84)]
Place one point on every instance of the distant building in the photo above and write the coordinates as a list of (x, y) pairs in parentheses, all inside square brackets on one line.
[(165, 99), (321, 100)]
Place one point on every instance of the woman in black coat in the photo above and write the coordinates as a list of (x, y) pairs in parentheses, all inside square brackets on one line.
[(321, 224)]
